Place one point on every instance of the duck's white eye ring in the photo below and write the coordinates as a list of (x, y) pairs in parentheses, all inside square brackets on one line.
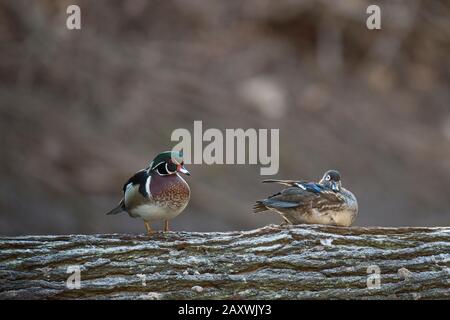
[(328, 178)]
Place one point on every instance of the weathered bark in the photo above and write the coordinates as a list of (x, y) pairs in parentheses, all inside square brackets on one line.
[(302, 262)]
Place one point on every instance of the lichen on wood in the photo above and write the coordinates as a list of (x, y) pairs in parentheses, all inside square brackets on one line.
[(274, 262)]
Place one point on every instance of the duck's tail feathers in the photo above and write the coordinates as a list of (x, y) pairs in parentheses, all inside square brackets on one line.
[(289, 183), (117, 209), (259, 207)]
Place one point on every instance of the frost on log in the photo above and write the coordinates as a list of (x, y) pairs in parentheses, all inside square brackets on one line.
[(302, 262)]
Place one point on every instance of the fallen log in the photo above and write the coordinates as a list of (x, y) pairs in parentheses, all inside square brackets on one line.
[(274, 262)]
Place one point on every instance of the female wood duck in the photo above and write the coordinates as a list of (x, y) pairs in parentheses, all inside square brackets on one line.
[(325, 202), (157, 192)]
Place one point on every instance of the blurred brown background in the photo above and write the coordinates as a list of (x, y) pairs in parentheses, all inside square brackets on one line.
[(81, 111)]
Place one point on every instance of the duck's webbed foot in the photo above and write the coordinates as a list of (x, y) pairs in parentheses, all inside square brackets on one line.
[(149, 228)]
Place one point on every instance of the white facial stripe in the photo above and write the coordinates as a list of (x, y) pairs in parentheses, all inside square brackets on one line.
[(156, 165), (164, 174), (168, 171)]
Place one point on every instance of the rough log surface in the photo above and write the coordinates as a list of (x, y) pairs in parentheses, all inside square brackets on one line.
[(302, 262)]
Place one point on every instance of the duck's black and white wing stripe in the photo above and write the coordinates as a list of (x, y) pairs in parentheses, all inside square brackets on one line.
[(141, 178), (301, 195)]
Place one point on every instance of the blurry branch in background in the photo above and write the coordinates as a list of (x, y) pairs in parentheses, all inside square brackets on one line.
[(400, 20), (329, 47)]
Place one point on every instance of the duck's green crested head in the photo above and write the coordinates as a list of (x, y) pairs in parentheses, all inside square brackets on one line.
[(168, 162)]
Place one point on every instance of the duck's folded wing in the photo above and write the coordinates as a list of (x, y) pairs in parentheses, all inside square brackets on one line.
[(328, 200), (307, 195), (288, 198), (140, 179)]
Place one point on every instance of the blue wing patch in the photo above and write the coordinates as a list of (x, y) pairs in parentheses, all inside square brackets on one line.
[(311, 187)]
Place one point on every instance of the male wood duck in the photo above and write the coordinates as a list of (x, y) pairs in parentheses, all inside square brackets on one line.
[(325, 202), (157, 192)]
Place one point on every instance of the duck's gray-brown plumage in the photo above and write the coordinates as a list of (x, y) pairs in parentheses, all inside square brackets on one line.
[(314, 203)]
